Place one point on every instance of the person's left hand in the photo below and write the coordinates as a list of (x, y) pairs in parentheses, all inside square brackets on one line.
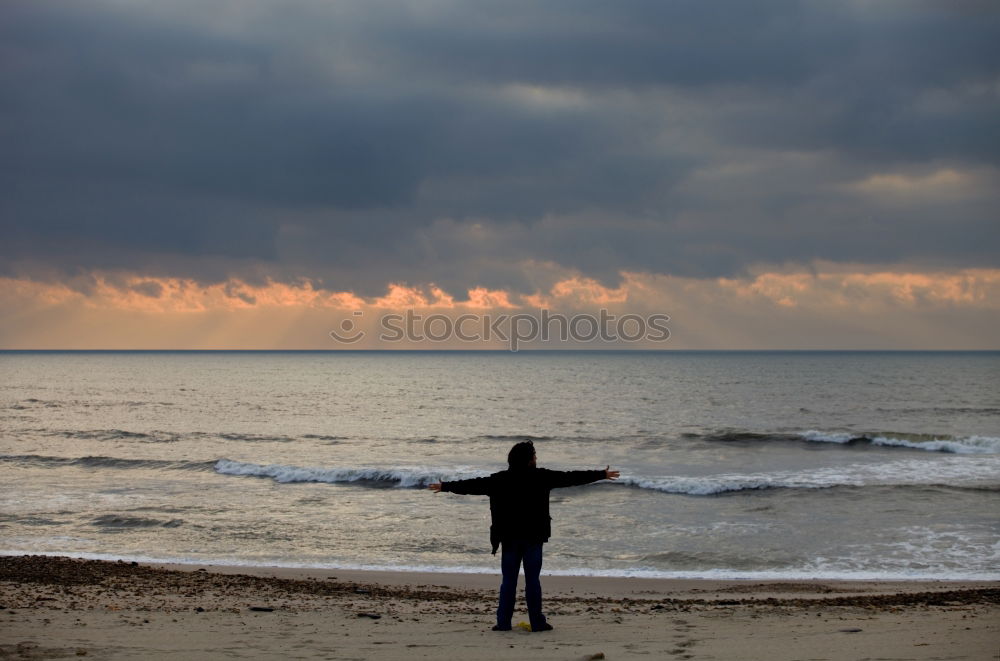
[(436, 487), (610, 474)]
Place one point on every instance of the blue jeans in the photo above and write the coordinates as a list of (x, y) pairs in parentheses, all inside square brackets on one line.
[(511, 556)]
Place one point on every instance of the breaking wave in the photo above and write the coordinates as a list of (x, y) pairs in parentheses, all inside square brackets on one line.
[(388, 477), (925, 442), (905, 473), (981, 474), (900, 473)]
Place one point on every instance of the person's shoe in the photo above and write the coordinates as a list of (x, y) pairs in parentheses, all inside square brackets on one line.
[(497, 627), (544, 627)]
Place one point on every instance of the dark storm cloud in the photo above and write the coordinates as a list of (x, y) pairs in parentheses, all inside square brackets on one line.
[(361, 143)]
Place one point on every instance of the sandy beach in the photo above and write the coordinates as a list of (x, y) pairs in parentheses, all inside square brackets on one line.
[(64, 608)]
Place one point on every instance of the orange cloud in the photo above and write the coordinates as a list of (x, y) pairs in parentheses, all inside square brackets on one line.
[(481, 298), (968, 287), (827, 305), (400, 296), (166, 295), (580, 291), (780, 288)]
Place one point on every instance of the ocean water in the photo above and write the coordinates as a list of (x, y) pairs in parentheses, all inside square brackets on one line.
[(734, 464)]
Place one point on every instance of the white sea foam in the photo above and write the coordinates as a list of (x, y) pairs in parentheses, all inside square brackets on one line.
[(963, 471), (955, 471), (913, 472), (399, 477), (923, 547), (957, 445)]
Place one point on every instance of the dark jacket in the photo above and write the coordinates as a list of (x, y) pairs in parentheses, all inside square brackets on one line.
[(519, 500)]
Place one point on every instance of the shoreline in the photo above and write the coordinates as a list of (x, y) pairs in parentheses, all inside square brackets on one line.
[(613, 587), (57, 607), (694, 576)]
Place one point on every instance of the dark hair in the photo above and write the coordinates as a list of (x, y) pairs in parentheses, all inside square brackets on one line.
[(520, 455)]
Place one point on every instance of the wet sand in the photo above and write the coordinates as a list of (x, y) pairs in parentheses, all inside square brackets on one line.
[(64, 608)]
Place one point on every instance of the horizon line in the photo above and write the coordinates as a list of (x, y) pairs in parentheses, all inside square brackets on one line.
[(503, 351)]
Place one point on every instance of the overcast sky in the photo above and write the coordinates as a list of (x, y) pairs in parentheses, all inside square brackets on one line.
[(506, 145)]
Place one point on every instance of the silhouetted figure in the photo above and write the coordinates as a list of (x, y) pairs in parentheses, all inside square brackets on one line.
[(519, 505)]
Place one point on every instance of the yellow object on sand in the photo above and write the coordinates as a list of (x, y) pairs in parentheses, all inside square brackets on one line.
[(524, 625)]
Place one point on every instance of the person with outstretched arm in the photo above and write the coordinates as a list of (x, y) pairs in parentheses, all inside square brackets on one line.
[(519, 507)]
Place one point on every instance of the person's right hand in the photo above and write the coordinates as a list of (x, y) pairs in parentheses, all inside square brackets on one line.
[(610, 474), (436, 487)]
